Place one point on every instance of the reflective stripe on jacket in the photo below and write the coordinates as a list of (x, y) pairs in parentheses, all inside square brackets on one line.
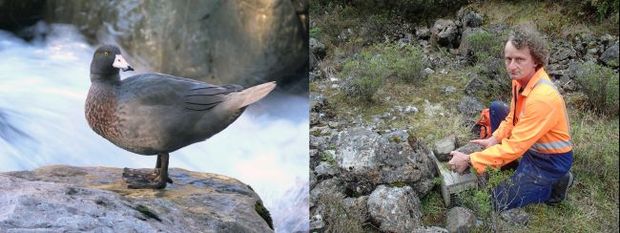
[(537, 121)]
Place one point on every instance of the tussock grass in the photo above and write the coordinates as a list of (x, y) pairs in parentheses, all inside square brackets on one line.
[(433, 208), (337, 217)]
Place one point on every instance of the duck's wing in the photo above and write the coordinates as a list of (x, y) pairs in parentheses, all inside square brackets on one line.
[(206, 97), (155, 89)]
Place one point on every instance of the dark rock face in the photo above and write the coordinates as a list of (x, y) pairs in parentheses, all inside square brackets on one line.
[(17, 14), (78, 199), (469, 18), (445, 33), (610, 56), (246, 42)]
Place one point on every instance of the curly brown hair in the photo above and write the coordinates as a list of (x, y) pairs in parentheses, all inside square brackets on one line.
[(526, 35)]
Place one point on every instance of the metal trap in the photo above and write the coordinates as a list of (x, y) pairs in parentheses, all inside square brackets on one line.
[(452, 182)]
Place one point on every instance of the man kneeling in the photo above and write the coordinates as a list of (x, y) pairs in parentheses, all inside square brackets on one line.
[(535, 128)]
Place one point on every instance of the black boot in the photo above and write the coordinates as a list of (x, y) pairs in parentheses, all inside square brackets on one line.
[(559, 191)]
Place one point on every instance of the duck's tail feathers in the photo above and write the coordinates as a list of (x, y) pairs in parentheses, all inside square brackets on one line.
[(252, 94)]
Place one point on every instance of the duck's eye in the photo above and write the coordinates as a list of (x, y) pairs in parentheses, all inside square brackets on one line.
[(106, 53)]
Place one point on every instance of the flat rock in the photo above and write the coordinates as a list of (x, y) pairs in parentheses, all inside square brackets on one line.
[(95, 199)]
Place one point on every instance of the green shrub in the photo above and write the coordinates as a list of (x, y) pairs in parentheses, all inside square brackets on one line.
[(600, 84), (480, 200), (363, 79), (315, 32), (484, 46), (327, 157), (365, 72), (406, 62), (602, 8)]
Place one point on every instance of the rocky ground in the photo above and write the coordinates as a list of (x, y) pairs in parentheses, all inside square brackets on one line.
[(376, 173), (95, 199)]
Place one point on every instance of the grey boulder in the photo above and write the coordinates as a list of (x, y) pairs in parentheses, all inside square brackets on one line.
[(395, 209)]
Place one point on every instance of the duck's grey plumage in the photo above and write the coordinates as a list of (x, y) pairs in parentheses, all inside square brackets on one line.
[(162, 113)]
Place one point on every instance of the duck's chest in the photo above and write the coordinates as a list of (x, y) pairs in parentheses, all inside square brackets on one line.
[(101, 112)]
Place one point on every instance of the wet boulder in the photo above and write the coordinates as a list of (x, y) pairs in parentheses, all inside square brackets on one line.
[(245, 42)]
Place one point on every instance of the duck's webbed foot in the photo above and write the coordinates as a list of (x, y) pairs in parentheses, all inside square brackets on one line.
[(140, 179), (138, 175), (150, 183)]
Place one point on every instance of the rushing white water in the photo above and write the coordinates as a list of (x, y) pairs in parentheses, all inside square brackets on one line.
[(43, 86)]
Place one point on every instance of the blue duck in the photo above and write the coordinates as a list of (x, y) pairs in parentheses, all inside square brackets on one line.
[(156, 114)]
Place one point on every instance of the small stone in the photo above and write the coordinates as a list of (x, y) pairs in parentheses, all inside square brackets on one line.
[(410, 109), (449, 90)]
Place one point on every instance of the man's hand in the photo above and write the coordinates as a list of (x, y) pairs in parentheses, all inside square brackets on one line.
[(459, 162), (486, 143)]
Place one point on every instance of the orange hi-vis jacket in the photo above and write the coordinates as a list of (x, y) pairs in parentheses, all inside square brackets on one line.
[(537, 121)]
